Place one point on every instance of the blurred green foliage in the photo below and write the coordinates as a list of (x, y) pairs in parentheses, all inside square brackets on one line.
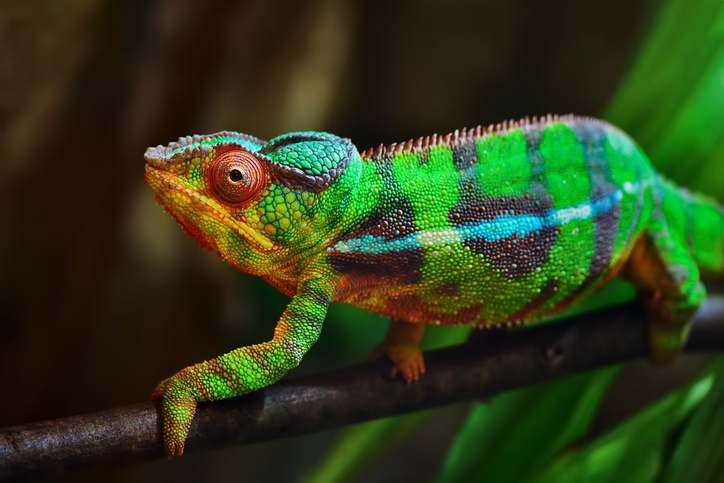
[(671, 102), (521, 430), (677, 439)]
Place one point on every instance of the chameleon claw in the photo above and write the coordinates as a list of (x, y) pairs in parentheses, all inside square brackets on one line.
[(173, 448), (178, 407), (407, 360), (402, 346)]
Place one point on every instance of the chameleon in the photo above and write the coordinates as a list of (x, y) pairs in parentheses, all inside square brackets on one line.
[(489, 226)]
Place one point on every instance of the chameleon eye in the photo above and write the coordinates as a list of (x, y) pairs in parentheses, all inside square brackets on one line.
[(236, 176)]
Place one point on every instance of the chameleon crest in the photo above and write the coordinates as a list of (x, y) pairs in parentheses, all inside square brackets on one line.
[(485, 226)]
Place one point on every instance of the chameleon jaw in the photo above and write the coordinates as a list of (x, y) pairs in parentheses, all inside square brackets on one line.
[(156, 177)]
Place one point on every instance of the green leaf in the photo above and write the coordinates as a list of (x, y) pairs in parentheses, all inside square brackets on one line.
[(672, 98), (699, 454), (362, 443), (637, 450), (510, 437)]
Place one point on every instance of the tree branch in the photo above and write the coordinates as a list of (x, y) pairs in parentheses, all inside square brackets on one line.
[(495, 361)]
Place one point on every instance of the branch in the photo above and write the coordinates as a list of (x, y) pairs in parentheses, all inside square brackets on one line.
[(494, 362)]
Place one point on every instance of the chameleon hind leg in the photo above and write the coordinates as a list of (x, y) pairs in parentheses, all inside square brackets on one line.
[(402, 346), (667, 279)]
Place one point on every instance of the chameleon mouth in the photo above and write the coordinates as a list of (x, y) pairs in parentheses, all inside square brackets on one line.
[(158, 178)]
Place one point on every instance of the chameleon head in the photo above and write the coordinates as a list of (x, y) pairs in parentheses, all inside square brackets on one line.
[(250, 200)]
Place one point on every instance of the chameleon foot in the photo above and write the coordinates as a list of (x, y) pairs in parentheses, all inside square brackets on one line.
[(407, 360), (668, 282), (402, 346), (178, 407)]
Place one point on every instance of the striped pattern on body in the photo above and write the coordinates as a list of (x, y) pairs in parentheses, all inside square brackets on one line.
[(494, 225)]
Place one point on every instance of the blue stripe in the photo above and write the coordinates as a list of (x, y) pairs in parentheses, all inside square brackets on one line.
[(500, 228)]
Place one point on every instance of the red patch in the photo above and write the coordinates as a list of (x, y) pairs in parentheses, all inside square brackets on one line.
[(414, 308)]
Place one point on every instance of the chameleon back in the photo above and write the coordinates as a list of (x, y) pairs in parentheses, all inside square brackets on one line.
[(497, 225)]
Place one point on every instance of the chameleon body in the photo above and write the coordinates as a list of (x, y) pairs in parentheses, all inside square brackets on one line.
[(485, 226)]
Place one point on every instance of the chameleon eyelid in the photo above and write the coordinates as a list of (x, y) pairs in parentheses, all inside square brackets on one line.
[(250, 171)]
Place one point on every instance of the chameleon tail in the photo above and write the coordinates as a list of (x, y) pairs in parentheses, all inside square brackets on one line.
[(701, 221)]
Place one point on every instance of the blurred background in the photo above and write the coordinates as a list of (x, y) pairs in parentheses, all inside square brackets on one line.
[(101, 294)]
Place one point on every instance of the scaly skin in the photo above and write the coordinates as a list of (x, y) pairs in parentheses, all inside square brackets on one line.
[(487, 226)]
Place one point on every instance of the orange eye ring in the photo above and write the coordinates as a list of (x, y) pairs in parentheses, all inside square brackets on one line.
[(236, 176)]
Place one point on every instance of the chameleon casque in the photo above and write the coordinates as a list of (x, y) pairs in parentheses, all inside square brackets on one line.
[(485, 226)]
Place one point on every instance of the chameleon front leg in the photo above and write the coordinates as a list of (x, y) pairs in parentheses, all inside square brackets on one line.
[(402, 346), (245, 369)]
